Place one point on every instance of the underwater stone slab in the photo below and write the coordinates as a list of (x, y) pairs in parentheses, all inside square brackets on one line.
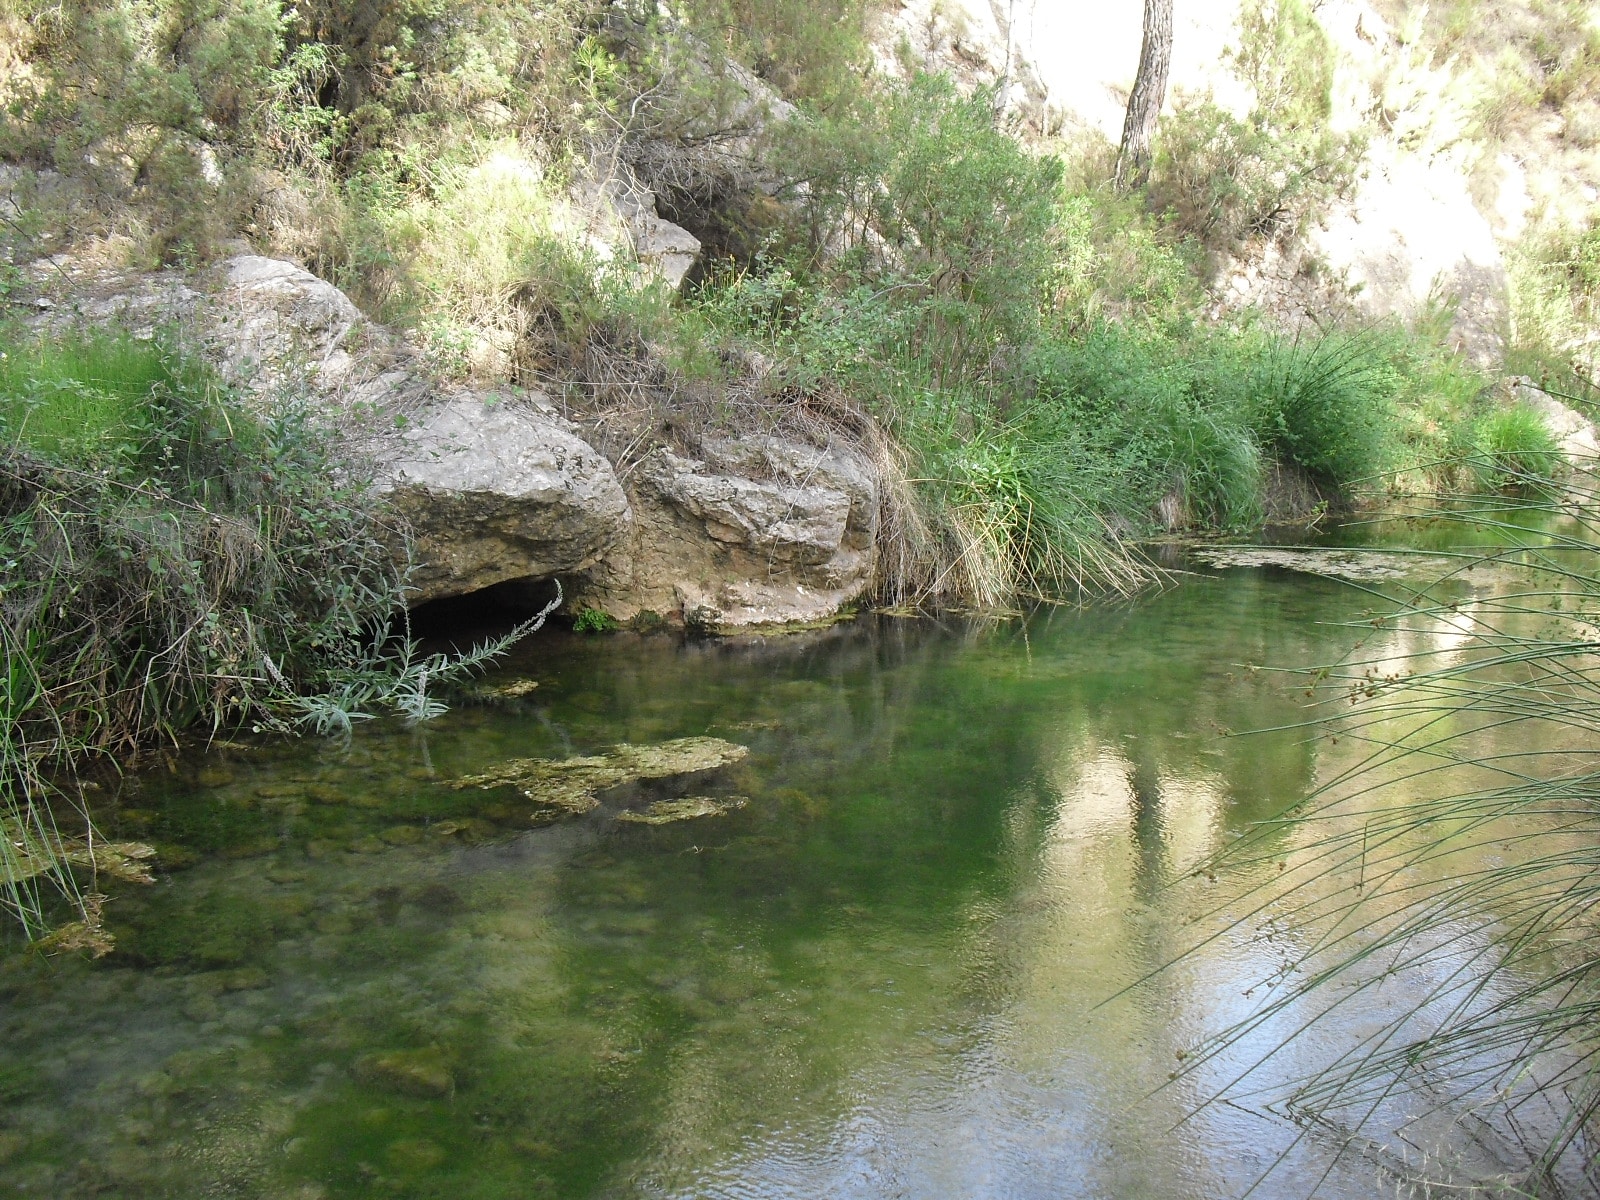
[(1351, 565), (570, 786), (30, 856), (665, 812)]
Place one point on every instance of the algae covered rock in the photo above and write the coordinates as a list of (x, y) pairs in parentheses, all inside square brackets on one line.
[(665, 812), (31, 851), (423, 1073), (570, 786)]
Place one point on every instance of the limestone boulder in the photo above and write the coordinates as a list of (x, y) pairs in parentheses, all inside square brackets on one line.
[(623, 221), (754, 530), (498, 488)]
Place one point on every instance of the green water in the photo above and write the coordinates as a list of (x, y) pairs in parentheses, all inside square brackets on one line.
[(893, 973)]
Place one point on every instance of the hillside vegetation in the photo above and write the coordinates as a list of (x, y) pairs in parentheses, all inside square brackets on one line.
[(878, 239)]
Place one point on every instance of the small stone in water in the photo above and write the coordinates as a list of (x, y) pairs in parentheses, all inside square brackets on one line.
[(414, 1072), (664, 812)]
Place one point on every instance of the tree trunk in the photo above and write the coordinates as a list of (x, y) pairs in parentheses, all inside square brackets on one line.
[(1149, 90)]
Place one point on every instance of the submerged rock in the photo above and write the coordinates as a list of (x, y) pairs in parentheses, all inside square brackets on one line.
[(665, 812), (1353, 565), (414, 1072), (30, 853), (517, 689), (569, 786)]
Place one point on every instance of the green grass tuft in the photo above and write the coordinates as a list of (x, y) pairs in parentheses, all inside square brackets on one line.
[(1513, 449), (84, 396)]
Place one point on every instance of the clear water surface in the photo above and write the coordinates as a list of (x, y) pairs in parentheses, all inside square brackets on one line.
[(897, 971)]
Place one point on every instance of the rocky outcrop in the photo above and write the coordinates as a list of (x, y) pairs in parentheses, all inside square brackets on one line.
[(623, 218), (496, 487), (755, 530)]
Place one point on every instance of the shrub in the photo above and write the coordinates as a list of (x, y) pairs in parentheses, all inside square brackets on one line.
[(1225, 180), (932, 203), (1166, 414), (1112, 261), (816, 53), (594, 620)]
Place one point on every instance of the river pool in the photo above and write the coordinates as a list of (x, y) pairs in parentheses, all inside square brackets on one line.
[(889, 961)]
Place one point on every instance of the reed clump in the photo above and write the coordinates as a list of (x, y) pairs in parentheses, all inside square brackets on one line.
[(1457, 857)]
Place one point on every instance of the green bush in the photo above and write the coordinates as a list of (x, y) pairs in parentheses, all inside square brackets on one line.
[(1166, 413), (594, 620), (1224, 180), (932, 204)]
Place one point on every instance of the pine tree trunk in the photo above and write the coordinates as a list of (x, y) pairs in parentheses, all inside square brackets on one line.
[(1149, 90)]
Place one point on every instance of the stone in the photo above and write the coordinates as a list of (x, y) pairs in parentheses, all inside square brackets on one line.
[(276, 323), (665, 812), (517, 689), (756, 530), (496, 489), (804, 525), (569, 786), (31, 855), (423, 1073)]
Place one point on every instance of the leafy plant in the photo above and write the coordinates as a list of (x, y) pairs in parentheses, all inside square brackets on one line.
[(594, 620), (1328, 405)]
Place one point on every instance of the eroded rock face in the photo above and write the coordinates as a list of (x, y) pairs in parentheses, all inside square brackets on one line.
[(756, 530), (750, 530), (496, 489), (624, 218)]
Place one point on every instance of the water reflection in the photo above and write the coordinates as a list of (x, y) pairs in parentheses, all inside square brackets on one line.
[(898, 971)]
